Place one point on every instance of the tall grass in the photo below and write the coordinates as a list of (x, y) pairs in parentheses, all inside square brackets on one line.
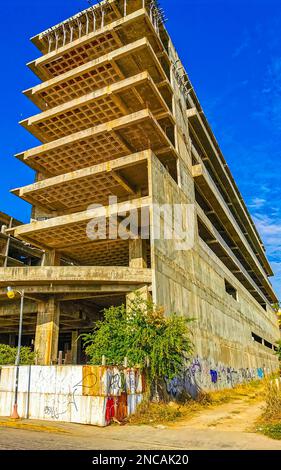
[(270, 422), (272, 410)]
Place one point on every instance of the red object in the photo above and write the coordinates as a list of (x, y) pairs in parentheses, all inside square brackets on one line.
[(121, 402), (110, 409)]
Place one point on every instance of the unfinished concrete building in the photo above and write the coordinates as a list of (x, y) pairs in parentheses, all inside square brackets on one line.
[(119, 117), (14, 253)]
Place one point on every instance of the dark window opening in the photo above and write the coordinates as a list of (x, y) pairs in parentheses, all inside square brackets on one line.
[(268, 344), (256, 338), (230, 290)]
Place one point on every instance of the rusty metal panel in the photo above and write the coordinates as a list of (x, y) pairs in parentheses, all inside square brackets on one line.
[(91, 384)]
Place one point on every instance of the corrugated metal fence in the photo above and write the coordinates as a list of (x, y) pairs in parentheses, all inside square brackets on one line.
[(77, 394)]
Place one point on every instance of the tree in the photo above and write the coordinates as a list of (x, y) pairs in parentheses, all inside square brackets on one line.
[(143, 335), (8, 355)]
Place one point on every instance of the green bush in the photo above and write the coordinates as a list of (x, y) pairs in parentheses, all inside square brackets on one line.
[(8, 355), (144, 335), (271, 430)]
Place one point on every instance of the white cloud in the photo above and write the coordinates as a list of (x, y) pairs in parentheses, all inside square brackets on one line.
[(257, 203)]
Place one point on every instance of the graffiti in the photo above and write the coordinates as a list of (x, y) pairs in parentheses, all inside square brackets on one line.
[(188, 382), (110, 381), (205, 374), (214, 376), (80, 394), (114, 385), (52, 412)]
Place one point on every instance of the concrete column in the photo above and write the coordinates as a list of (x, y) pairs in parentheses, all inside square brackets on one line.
[(12, 340), (142, 293), (47, 332), (74, 346), (51, 258), (138, 253)]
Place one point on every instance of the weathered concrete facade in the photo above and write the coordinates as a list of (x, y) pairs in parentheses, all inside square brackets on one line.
[(119, 117)]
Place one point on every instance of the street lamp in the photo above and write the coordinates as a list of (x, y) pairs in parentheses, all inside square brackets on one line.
[(11, 293)]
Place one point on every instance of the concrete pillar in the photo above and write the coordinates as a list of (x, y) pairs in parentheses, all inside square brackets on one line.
[(138, 253), (51, 258), (47, 332), (138, 259), (142, 293), (74, 347)]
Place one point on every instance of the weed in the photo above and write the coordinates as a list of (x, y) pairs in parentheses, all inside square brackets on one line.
[(270, 422), (157, 413), (271, 430)]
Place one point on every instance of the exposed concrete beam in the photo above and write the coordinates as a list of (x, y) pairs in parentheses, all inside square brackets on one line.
[(72, 292), (59, 185), (128, 84), (143, 118), (133, 48), (198, 126), (73, 275), (124, 183), (229, 254), (35, 230), (122, 23), (208, 189), (12, 308)]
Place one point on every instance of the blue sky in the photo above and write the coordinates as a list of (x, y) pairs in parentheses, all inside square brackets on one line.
[(232, 52)]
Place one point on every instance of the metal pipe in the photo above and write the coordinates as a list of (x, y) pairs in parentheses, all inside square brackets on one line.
[(15, 414), (28, 393)]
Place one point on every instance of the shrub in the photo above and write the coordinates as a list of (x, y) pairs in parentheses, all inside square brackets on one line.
[(144, 335), (8, 355), (272, 430)]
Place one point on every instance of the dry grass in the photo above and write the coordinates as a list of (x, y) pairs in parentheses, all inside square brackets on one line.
[(252, 391), (155, 413), (273, 401), (270, 421), (165, 413)]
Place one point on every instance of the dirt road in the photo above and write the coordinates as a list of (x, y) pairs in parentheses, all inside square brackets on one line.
[(228, 426)]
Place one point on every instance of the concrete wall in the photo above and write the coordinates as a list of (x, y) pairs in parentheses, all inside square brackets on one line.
[(192, 283), (77, 394), (209, 375)]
